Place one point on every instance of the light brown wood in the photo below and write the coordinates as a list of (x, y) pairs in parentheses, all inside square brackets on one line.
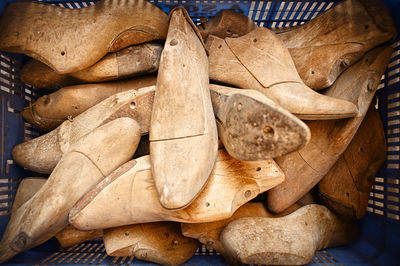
[(67, 237), (289, 240), (88, 161), (227, 23), (43, 153), (252, 127), (183, 133), (131, 196), (26, 189), (161, 243), (49, 111), (346, 187), (327, 45), (259, 60), (69, 40), (70, 236), (209, 233), (129, 62), (305, 168)]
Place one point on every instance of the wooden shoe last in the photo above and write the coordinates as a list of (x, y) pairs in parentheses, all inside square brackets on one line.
[(132, 198), (346, 187), (183, 133), (69, 40), (281, 84), (129, 62), (88, 161), (289, 240), (160, 243), (306, 167)]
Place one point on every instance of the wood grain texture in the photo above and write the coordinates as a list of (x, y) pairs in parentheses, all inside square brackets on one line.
[(289, 240), (305, 168), (131, 196), (129, 62), (273, 73), (49, 111), (69, 40), (43, 153), (88, 161), (227, 23), (183, 133), (346, 187), (252, 127), (160, 243), (328, 44), (70, 236), (209, 233)]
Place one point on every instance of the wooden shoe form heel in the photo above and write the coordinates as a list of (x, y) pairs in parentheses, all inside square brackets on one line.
[(283, 85), (288, 240), (113, 66), (183, 136), (49, 111), (65, 47), (227, 23), (252, 127), (306, 167), (43, 153), (132, 197), (346, 187), (161, 243), (328, 44), (208, 233), (82, 167), (67, 237)]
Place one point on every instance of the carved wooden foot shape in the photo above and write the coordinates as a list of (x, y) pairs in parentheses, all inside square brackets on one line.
[(289, 240), (209, 233), (161, 243), (69, 40), (88, 161), (306, 167), (183, 134), (273, 73), (67, 237), (325, 46), (252, 127), (129, 62), (346, 187), (49, 111), (227, 23), (132, 198), (43, 153)]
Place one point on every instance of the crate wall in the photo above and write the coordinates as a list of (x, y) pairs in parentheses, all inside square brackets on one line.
[(379, 229)]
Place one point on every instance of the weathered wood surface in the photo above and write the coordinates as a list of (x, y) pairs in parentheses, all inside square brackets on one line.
[(346, 187), (69, 40), (306, 167), (227, 23), (70, 236), (160, 243), (328, 44), (209, 233), (252, 127), (131, 196), (289, 240), (129, 62), (26, 189), (43, 153), (88, 161), (183, 133), (259, 60), (49, 111)]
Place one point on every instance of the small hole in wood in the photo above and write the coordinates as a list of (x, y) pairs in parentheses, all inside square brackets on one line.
[(347, 194), (127, 233), (254, 40), (258, 169), (361, 149), (366, 27), (268, 131), (76, 107), (219, 46), (312, 72), (247, 193), (173, 42), (207, 204), (132, 105), (228, 31), (62, 53)]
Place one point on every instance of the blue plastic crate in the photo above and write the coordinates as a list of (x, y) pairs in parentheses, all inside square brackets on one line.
[(380, 234)]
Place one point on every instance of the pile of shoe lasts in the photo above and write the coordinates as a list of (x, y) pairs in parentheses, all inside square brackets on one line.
[(223, 118)]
